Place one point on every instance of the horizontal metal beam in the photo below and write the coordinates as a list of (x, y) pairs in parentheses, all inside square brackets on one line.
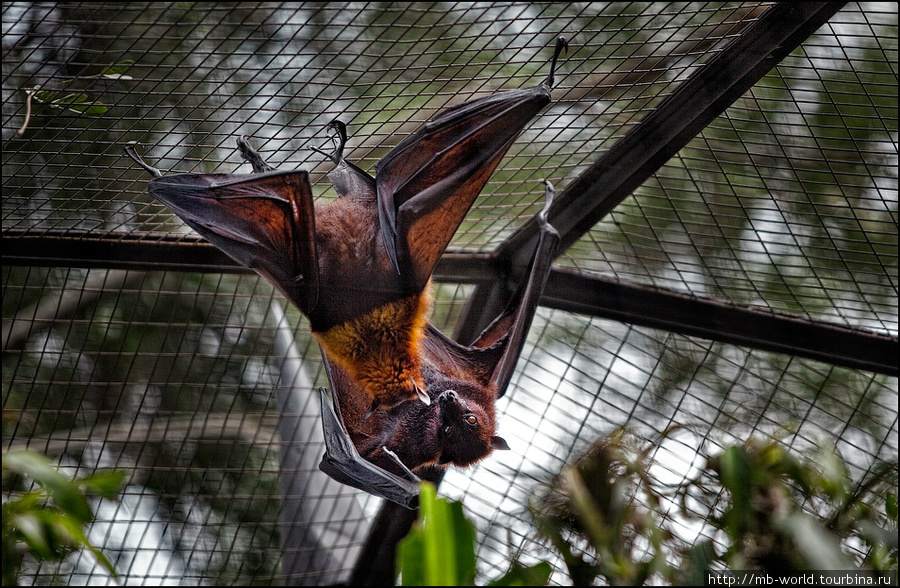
[(566, 289), (190, 253), (746, 326), (138, 251)]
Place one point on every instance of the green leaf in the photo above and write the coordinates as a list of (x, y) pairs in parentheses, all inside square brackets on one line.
[(105, 483), (440, 549), (890, 507), (33, 532), (72, 99), (75, 102), (820, 548), (72, 533), (698, 561), (736, 473), (79, 103), (46, 96), (833, 470), (25, 502), (586, 510), (63, 491), (116, 71), (93, 109)]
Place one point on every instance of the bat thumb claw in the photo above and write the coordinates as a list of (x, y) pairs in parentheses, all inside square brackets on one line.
[(339, 141), (422, 394), (252, 156), (561, 44), (549, 193), (132, 153), (371, 410)]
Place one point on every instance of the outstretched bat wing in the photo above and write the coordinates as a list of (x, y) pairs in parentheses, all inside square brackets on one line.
[(428, 182), (510, 329), (264, 221), (495, 352)]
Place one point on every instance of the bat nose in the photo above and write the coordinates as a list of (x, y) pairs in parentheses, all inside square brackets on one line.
[(448, 396)]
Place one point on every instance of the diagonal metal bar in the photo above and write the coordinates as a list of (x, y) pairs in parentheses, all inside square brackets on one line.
[(659, 136), (678, 119), (627, 165)]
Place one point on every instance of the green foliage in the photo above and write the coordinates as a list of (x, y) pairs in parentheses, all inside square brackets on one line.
[(777, 512), (766, 529), (73, 101), (789, 513), (519, 575), (49, 521), (592, 502), (440, 549), (606, 519)]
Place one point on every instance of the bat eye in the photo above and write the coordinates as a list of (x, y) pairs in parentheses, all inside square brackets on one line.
[(471, 419)]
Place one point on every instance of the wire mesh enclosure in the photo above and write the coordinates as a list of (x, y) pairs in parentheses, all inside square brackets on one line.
[(727, 199)]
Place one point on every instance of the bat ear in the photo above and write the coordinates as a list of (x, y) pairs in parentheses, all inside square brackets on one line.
[(499, 443)]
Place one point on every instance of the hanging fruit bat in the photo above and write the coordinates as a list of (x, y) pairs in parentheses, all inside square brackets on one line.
[(463, 383), (359, 268)]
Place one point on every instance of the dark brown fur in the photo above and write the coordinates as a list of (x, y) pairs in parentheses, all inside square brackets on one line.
[(457, 428), (359, 268)]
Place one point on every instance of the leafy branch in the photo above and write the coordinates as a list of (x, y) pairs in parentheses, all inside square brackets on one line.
[(607, 520), (73, 101)]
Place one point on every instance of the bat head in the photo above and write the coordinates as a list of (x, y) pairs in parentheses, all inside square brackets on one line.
[(466, 429)]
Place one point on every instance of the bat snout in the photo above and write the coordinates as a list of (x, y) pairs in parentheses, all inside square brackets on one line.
[(450, 397)]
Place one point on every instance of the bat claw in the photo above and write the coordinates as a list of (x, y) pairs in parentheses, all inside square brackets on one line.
[(549, 193), (422, 394), (132, 153), (561, 43), (252, 156), (393, 456), (338, 156)]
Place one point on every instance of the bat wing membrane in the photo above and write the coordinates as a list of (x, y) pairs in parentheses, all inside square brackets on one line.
[(494, 354), (263, 221), (427, 184), (343, 462), (515, 321)]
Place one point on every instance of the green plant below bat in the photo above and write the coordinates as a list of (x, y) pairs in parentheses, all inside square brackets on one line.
[(48, 521), (768, 509), (605, 516), (440, 549)]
